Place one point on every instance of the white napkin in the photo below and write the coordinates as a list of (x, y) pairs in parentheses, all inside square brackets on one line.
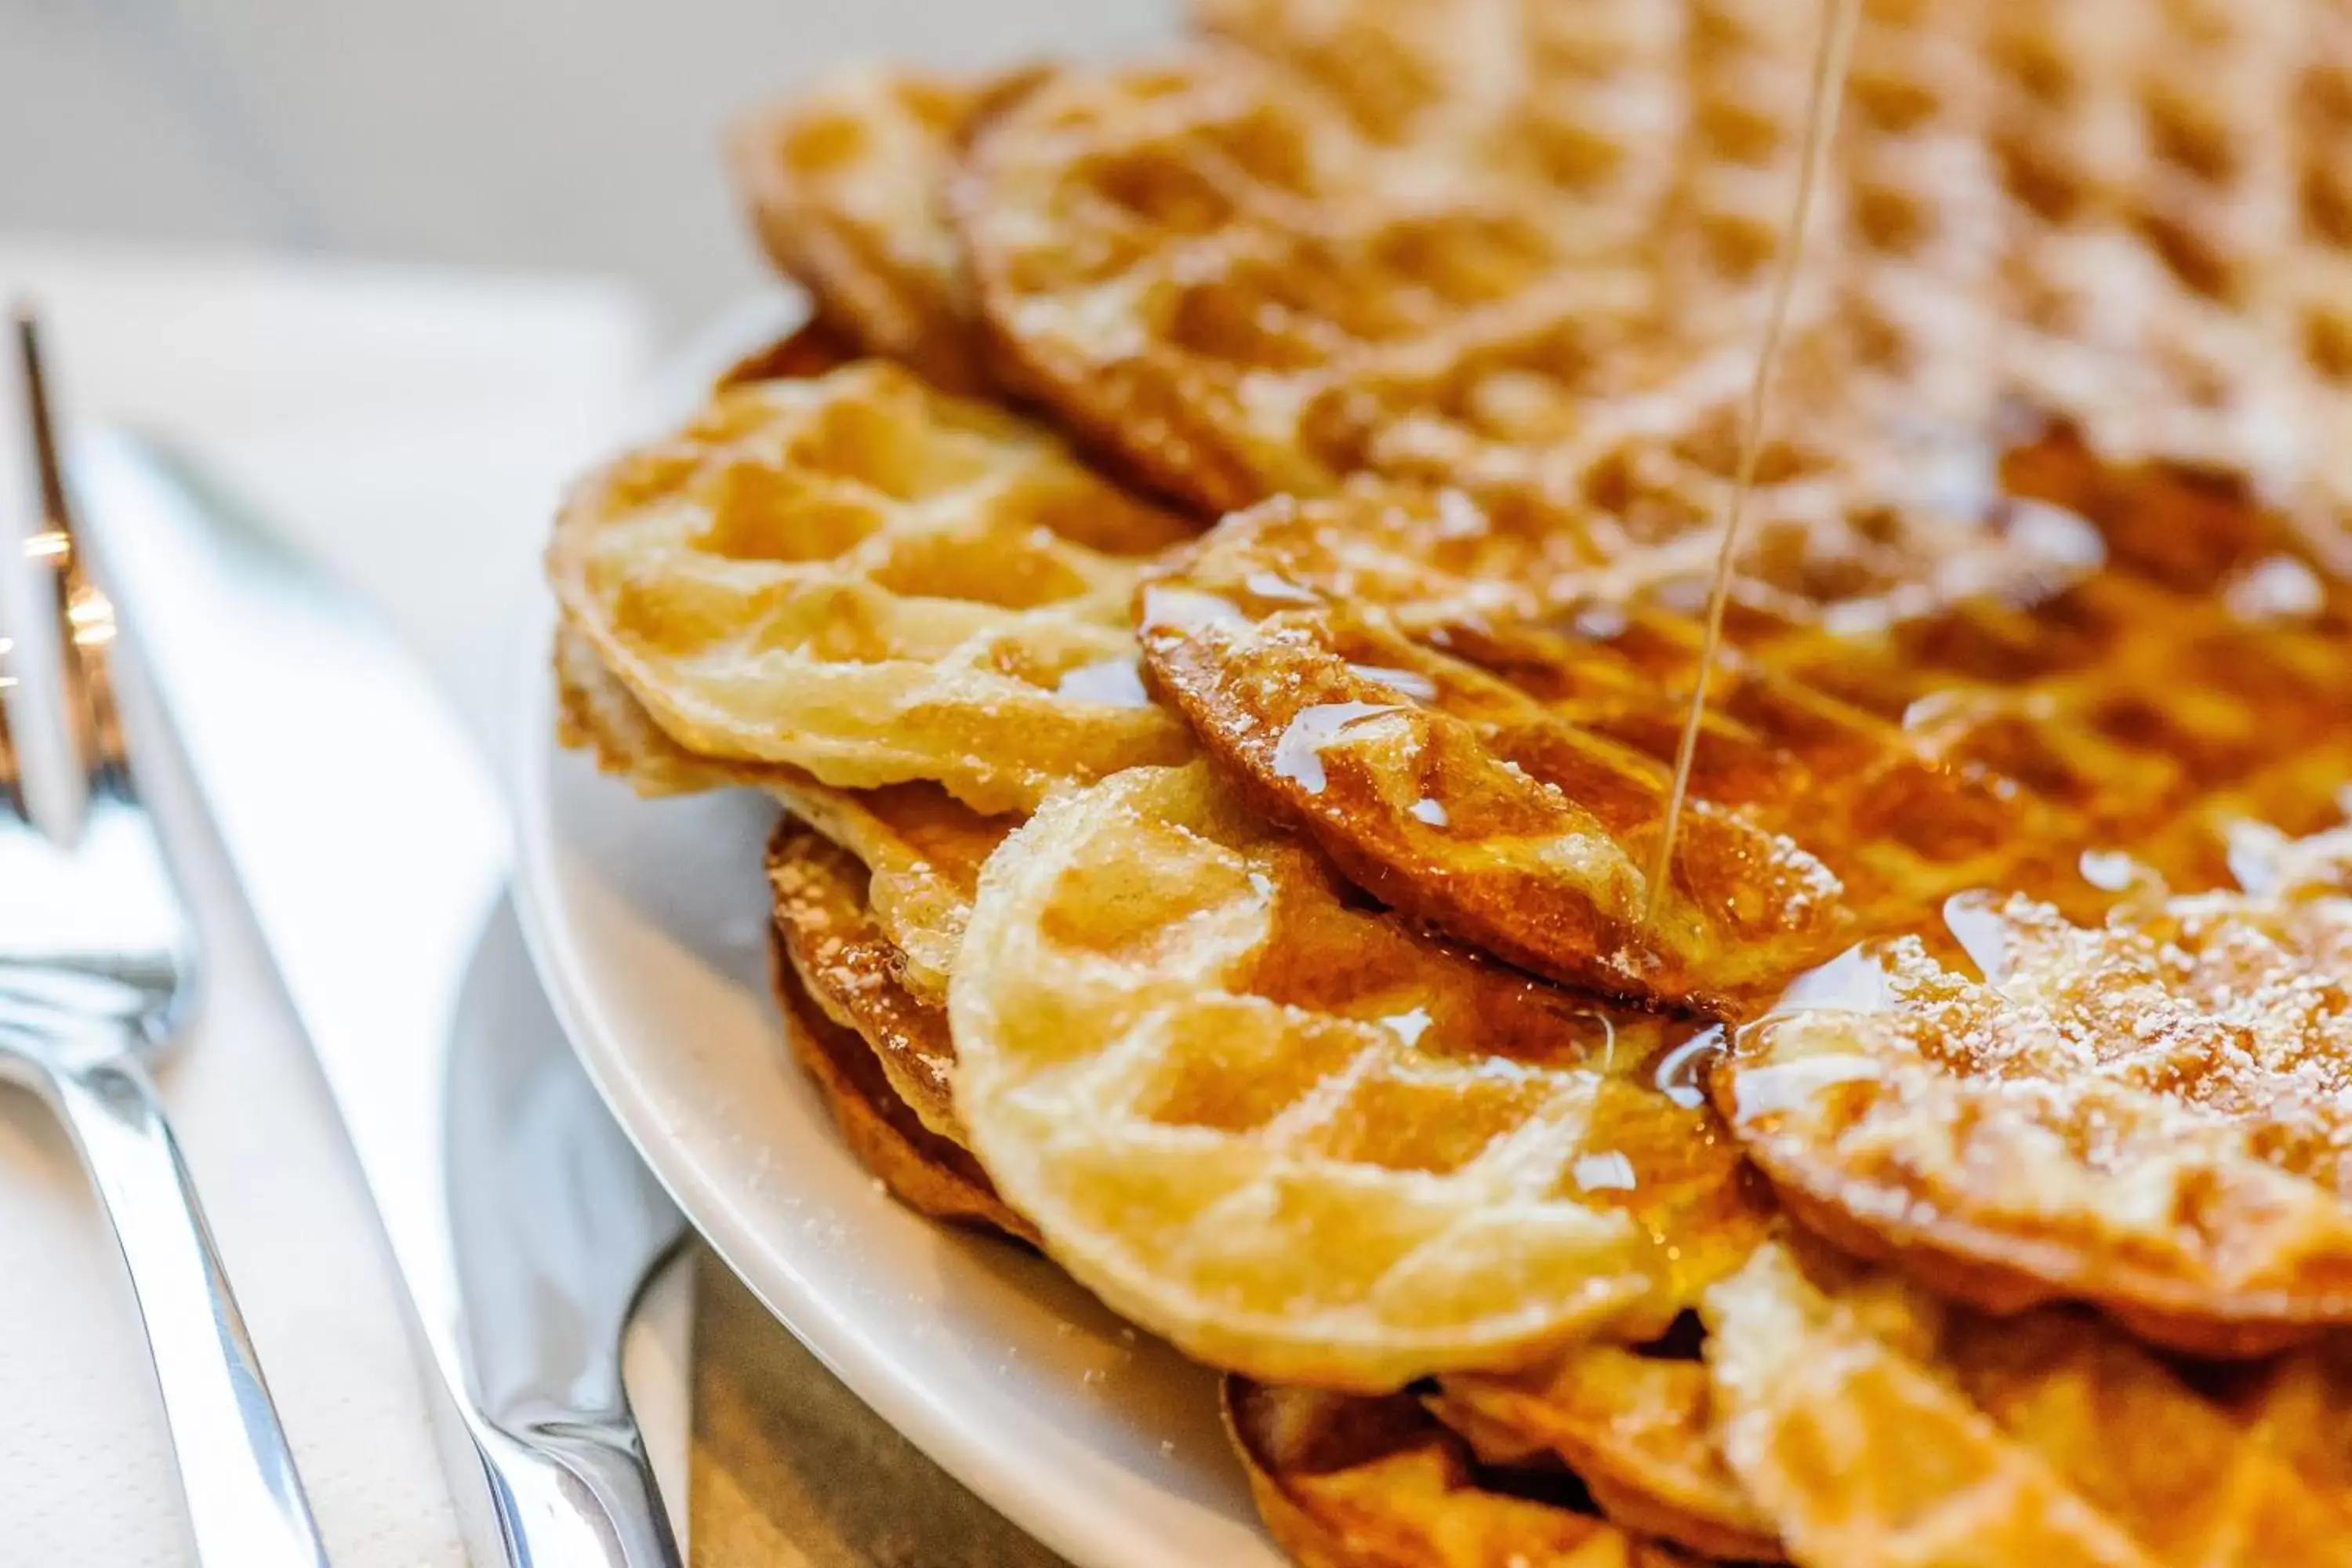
[(413, 429)]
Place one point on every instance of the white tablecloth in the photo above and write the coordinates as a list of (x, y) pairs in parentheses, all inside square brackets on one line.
[(411, 428)]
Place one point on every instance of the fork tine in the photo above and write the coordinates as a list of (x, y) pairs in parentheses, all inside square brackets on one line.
[(85, 617)]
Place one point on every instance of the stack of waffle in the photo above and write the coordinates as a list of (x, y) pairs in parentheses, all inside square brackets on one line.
[(1216, 590)]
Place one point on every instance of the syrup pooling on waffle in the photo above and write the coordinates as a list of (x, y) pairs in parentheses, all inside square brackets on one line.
[(874, 582), (846, 185), (2126, 718), (1931, 709), (1451, 698), (1294, 1134), (2146, 1113), (1876, 1426), (1347, 1481), (1455, 795)]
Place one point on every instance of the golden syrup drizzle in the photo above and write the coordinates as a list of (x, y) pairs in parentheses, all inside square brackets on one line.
[(1827, 93)]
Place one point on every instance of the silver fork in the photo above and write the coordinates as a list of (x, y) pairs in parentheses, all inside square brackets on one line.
[(97, 971)]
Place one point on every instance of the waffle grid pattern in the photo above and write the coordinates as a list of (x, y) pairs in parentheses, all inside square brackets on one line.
[(1364, 687), (2097, 215), (1298, 1138), (2047, 589), (873, 582), (845, 191), (1889, 1431)]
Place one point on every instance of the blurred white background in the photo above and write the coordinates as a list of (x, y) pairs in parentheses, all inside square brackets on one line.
[(172, 174), (573, 135)]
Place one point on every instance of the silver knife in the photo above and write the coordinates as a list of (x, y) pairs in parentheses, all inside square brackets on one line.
[(371, 845)]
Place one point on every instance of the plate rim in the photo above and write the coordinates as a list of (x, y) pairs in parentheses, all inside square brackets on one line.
[(1027, 1497), (1023, 1493)]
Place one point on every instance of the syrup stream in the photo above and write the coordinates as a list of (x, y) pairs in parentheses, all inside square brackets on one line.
[(1831, 57)]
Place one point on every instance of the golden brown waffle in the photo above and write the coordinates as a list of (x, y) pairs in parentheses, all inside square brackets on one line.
[(1475, 709), (1861, 1457), (1296, 1136), (1186, 260), (1636, 1427), (1575, 96), (927, 1172), (2127, 217), (2078, 744), (2047, 591), (2146, 1113), (1345, 1481), (872, 581), (2196, 1481), (809, 350), (837, 949), (1458, 792), (1437, 249), (596, 714), (2190, 1465), (922, 849), (1886, 1431), (845, 184), (2293, 1406)]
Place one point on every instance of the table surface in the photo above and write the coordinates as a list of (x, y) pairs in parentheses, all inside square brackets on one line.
[(789, 1471), (411, 430), (572, 135)]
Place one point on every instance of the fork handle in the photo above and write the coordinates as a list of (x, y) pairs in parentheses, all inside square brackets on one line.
[(245, 1505)]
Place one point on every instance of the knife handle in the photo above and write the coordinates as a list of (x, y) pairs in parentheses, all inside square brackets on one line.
[(581, 1496), (245, 1505), (573, 1493)]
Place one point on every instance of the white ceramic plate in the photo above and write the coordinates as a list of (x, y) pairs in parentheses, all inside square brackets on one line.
[(650, 924)]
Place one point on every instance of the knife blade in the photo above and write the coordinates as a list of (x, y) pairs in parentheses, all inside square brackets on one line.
[(371, 845)]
